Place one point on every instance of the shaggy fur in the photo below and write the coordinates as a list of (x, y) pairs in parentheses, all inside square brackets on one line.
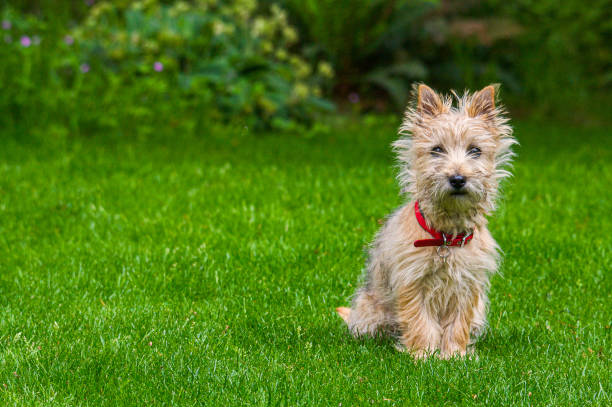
[(434, 305)]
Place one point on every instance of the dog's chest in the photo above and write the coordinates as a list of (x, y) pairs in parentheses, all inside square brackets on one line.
[(453, 279), (453, 266), (434, 266), (461, 270)]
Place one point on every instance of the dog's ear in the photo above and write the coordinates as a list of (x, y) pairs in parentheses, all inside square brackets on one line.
[(483, 101), (428, 101)]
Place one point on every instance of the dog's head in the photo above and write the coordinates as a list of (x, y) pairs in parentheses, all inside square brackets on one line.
[(453, 157)]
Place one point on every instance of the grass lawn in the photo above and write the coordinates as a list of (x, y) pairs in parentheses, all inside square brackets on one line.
[(206, 272)]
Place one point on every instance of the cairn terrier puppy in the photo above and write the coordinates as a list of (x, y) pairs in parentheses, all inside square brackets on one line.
[(428, 270)]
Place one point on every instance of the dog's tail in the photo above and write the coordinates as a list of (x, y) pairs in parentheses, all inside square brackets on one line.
[(344, 313)]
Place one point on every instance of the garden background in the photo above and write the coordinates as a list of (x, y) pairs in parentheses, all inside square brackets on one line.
[(187, 187)]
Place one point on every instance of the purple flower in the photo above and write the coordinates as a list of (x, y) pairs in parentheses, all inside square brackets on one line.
[(353, 97), (68, 40), (158, 66), (85, 68), (89, 2), (6, 25), (25, 41)]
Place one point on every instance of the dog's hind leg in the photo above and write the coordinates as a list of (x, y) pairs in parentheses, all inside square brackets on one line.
[(368, 315)]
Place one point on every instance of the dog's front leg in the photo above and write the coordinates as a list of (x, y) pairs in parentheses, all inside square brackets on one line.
[(420, 332), (456, 328)]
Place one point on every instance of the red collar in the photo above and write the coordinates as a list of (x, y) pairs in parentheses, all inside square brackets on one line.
[(440, 238)]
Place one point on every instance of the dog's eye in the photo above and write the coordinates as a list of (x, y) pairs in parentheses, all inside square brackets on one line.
[(474, 151), (437, 150)]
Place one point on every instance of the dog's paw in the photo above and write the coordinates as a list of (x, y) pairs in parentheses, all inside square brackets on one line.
[(452, 355), (400, 347), (469, 354), (420, 354)]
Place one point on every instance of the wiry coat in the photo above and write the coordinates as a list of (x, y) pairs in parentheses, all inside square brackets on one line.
[(434, 304)]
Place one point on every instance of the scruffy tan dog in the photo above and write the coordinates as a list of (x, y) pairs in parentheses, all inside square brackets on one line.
[(428, 270)]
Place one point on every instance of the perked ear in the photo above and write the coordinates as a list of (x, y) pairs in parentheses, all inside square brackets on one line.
[(428, 101), (483, 102)]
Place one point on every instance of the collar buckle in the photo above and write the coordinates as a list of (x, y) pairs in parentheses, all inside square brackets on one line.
[(444, 250), (447, 242)]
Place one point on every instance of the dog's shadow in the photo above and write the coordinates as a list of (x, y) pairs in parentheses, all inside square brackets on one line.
[(491, 344), (511, 341), (332, 335)]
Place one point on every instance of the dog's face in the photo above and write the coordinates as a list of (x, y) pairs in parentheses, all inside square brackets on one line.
[(454, 156)]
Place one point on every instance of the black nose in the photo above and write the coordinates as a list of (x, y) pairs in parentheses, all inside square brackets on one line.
[(457, 181)]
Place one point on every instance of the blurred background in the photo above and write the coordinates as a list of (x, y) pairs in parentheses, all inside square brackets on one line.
[(160, 67)]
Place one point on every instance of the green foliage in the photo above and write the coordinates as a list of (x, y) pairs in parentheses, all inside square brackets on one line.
[(221, 56), (565, 49), (137, 67), (366, 41), (155, 65), (554, 54), (549, 52), (24, 68)]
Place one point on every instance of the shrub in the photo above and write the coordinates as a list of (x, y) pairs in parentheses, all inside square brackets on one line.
[(24, 71), (566, 49), (221, 59), (555, 54), (141, 66), (370, 42)]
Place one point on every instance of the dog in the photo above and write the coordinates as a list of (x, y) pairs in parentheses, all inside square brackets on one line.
[(428, 269)]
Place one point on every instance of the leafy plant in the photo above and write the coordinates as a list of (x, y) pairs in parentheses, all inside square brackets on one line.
[(219, 57), (23, 69), (147, 65), (556, 54), (368, 41)]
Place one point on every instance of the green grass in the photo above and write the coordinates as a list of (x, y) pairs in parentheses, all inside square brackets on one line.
[(206, 272)]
